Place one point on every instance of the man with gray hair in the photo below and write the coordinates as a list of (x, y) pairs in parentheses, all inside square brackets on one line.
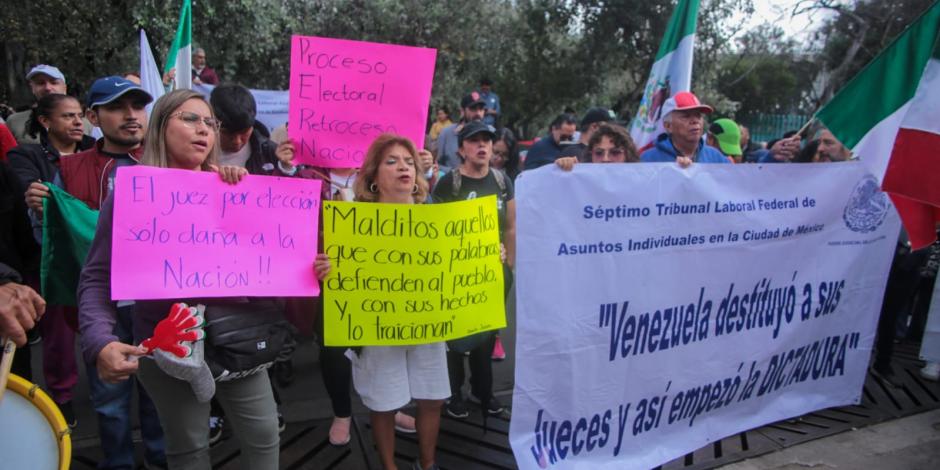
[(202, 73), (683, 142)]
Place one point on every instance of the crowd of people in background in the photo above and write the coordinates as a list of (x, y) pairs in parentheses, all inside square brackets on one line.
[(51, 144)]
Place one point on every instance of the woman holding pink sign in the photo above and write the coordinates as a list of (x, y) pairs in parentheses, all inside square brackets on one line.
[(389, 377), (183, 134)]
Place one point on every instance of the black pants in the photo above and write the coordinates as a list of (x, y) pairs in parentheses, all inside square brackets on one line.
[(336, 371), (902, 283), (481, 370)]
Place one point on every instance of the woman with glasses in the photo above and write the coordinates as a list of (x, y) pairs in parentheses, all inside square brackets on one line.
[(505, 153), (183, 134), (609, 144)]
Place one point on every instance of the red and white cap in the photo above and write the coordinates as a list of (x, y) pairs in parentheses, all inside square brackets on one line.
[(685, 101)]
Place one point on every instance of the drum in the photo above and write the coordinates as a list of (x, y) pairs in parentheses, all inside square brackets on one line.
[(33, 433)]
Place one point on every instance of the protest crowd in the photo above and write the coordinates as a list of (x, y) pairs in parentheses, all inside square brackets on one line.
[(185, 400)]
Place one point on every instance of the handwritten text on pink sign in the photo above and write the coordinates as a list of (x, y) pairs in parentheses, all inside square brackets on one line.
[(343, 94), (184, 234)]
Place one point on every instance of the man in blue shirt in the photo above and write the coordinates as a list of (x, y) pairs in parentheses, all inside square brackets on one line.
[(491, 99), (548, 148), (683, 141)]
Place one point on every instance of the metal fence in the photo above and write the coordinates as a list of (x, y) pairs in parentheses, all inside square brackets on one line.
[(765, 127)]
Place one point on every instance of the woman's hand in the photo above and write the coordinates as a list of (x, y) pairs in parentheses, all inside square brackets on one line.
[(566, 163), (322, 266), (230, 174), (34, 196), (502, 252), (684, 162)]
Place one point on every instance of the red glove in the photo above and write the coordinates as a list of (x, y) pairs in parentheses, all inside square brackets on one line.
[(183, 324)]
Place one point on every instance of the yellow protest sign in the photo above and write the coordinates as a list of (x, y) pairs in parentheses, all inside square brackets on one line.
[(411, 273)]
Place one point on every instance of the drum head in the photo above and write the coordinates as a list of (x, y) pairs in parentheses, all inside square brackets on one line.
[(30, 426)]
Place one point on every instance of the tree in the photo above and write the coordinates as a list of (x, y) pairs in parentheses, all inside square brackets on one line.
[(856, 33)]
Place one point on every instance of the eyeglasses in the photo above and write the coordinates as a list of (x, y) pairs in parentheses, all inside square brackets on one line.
[(615, 153), (191, 120)]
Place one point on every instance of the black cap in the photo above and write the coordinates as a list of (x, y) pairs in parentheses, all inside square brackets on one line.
[(472, 99), (597, 115), (473, 128)]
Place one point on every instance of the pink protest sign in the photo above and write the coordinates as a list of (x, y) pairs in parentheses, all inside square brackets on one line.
[(343, 94), (186, 234)]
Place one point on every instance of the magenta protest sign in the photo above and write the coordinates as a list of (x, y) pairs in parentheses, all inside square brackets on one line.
[(184, 234), (343, 94)]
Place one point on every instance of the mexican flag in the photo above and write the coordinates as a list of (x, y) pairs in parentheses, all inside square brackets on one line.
[(181, 51), (671, 73), (68, 227), (889, 115)]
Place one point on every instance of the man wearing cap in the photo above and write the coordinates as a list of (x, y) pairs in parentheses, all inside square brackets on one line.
[(473, 179), (549, 148), (592, 119), (116, 106), (43, 80), (473, 108), (725, 135), (492, 110), (683, 141), (235, 109)]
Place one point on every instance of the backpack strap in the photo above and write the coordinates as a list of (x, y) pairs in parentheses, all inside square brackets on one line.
[(455, 175)]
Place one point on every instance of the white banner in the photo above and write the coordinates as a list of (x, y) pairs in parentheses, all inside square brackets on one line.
[(662, 309), (272, 107)]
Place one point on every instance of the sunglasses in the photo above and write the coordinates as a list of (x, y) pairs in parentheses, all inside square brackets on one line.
[(615, 152), (191, 120)]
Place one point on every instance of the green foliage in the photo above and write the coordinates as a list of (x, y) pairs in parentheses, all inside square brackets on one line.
[(543, 55), (767, 74)]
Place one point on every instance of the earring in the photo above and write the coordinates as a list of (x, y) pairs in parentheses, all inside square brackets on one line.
[(415, 189), (373, 188)]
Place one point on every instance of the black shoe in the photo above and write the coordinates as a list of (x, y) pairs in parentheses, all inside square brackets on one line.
[(69, 414), (457, 408), (494, 407), (284, 373), (281, 424), (216, 425)]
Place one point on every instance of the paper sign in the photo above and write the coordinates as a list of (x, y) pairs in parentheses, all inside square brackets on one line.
[(411, 273), (343, 94), (185, 234), (662, 308)]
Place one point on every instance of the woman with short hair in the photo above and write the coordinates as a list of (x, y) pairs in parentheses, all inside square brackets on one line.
[(388, 377)]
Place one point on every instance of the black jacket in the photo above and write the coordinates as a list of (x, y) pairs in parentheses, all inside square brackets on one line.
[(263, 159), (39, 162), (19, 252)]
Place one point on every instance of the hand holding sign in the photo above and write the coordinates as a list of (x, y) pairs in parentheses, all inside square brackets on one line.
[(188, 234), (399, 274)]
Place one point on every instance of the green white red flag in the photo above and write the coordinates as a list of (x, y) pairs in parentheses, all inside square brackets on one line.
[(180, 56), (889, 115), (671, 72)]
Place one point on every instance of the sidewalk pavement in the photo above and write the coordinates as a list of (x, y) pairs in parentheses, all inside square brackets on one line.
[(910, 443)]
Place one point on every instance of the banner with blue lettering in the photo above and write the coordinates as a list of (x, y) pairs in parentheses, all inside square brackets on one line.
[(661, 309)]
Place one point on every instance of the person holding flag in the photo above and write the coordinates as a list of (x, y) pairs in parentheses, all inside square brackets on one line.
[(180, 56)]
